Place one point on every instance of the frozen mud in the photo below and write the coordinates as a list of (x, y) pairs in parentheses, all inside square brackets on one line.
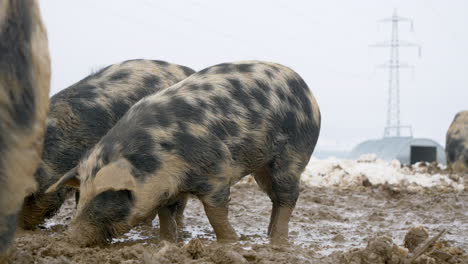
[(370, 220)]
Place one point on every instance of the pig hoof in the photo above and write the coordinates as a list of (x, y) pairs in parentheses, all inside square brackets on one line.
[(230, 239), (279, 241)]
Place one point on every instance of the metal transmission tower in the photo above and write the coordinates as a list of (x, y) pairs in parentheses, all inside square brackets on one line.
[(393, 126)]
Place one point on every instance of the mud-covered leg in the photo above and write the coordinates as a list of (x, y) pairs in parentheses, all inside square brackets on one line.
[(77, 198), (274, 211), (217, 210), (282, 186), (171, 218), (179, 211), (218, 217), (280, 225), (167, 224)]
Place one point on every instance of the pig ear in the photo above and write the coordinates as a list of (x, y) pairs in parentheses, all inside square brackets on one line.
[(115, 176), (70, 179)]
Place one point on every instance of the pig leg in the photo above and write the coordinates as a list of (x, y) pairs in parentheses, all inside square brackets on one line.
[(180, 207), (282, 187), (171, 218), (77, 198), (167, 224), (217, 211), (7, 232)]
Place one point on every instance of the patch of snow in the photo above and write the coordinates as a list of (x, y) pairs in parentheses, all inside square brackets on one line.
[(132, 235), (342, 173)]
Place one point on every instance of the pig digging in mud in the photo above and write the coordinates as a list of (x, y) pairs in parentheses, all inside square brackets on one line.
[(24, 91), (81, 114), (456, 146), (199, 137)]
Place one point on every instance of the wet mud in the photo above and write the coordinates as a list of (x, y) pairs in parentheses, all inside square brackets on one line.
[(363, 224)]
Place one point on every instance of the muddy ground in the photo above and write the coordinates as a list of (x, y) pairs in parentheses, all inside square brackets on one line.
[(360, 225)]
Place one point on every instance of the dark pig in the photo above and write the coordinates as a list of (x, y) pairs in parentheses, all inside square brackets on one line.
[(81, 114), (24, 92), (456, 146), (199, 137)]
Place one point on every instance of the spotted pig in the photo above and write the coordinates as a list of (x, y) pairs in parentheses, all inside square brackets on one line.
[(24, 89), (81, 114), (200, 137), (456, 146)]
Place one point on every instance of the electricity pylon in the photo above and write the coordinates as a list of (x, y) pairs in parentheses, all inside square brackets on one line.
[(393, 127)]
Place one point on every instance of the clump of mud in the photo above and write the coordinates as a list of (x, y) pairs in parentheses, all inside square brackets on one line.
[(418, 249), (415, 237)]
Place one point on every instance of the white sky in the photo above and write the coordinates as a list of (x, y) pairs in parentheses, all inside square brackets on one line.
[(326, 42)]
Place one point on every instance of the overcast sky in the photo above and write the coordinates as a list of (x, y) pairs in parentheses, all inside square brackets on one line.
[(326, 42)]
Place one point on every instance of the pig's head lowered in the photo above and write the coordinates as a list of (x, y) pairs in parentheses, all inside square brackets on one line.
[(107, 198)]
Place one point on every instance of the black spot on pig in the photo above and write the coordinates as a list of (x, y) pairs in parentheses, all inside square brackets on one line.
[(151, 81), (184, 111), (196, 183), (244, 67), (255, 118), (286, 190), (138, 94), (182, 126), (193, 87), (223, 68), (95, 117), (207, 87), (238, 93), (109, 150), (259, 95), (292, 101), (275, 69), (299, 89), (144, 163), (263, 86), (201, 152), (119, 107), (87, 92), (139, 151), (281, 94), (161, 63), (224, 128), (120, 75), (187, 71), (269, 74), (201, 103), (167, 146), (157, 116), (223, 103), (287, 124)]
